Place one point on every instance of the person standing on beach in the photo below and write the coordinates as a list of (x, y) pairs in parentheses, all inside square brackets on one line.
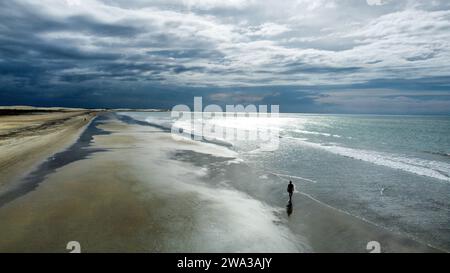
[(290, 190)]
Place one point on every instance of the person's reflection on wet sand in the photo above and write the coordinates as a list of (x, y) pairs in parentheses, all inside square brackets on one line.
[(289, 208)]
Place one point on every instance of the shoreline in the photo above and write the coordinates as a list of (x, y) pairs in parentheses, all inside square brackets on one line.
[(141, 195)]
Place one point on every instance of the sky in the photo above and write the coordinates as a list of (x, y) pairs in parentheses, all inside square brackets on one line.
[(314, 56)]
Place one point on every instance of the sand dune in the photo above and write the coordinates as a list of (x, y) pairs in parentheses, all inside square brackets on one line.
[(27, 138)]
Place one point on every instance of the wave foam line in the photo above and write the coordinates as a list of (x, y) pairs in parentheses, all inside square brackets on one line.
[(412, 237), (292, 176), (316, 133), (433, 169)]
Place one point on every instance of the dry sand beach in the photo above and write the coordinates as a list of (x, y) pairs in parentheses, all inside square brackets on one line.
[(29, 136), (118, 186)]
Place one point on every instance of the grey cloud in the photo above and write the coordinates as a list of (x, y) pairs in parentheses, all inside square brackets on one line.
[(421, 57), (397, 104), (91, 25), (46, 46), (188, 53), (296, 68), (239, 97)]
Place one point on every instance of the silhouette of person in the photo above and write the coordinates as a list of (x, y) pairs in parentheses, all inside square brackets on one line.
[(290, 190)]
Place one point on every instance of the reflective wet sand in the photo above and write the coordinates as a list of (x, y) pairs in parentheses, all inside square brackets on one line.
[(132, 197), (131, 191)]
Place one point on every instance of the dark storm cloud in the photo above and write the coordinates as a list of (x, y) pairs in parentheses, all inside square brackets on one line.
[(189, 53), (306, 55), (299, 68), (23, 19), (90, 25)]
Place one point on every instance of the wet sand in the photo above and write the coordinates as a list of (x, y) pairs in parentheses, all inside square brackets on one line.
[(332, 231), (128, 193), (131, 197)]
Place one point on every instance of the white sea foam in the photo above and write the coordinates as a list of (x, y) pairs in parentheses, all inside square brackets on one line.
[(316, 133), (293, 177), (433, 169), (235, 161)]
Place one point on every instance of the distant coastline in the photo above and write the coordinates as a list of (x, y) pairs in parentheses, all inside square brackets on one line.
[(21, 110), (18, 110)]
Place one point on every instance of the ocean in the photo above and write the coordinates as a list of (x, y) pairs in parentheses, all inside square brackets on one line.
[(390, 171)]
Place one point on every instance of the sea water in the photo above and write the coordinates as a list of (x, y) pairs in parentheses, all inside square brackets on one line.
[(393, 171)]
